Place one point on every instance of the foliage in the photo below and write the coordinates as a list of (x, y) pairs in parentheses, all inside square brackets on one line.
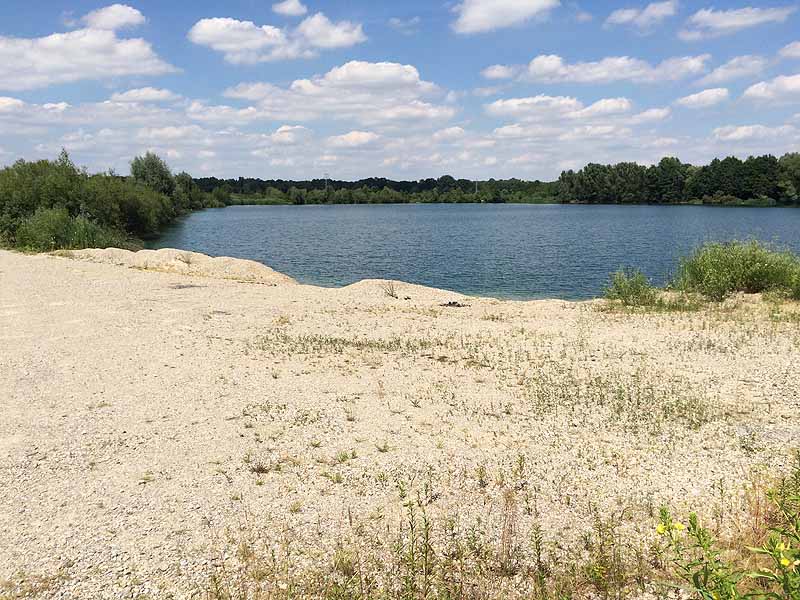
[(631, 288), (701, 563), (47, 205), (150, 170), (757, 181), (53, 228), (379, 191), (717, 270)]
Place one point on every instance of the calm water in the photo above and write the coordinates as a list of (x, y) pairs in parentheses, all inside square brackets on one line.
[(506, 251)]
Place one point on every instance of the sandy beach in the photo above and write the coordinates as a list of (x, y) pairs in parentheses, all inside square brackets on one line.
[(154, 423)]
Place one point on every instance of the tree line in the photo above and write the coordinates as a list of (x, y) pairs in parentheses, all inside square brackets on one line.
[(376, 190), (759, 180), (45, 205)]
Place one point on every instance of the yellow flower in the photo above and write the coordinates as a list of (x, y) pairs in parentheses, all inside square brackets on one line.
[(785, 562), (678, 526), (660, 529)]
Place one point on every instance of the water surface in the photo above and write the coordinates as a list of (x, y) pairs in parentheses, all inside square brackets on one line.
[(506, 251)]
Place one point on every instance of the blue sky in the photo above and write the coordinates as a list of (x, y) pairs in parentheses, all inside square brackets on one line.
[(476, 88)]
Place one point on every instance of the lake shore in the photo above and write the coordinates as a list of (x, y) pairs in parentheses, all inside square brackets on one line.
[(154, 421)]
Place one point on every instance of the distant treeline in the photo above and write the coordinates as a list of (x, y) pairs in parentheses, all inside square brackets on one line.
[(48, 205), (762, 180), (381, 191)]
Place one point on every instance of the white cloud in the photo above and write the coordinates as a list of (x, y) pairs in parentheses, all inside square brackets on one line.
[(354, 139), (548, 109), (84, 54), (290, 8), (791, 50), (736, 68), (644, 18), (752, 132), (477, 16), (553, 69), (405, 26), (500, 72), (704, 99), (449, 134), (781, 89), (243, 42), (8, 105), (320, 32), (712, 23), (368, 93), (651, 115), (290, 134), (116, 16), (607, 106), (146, 94)]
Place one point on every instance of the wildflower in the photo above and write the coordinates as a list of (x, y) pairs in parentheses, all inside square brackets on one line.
[(785, 562), (678, 526), (660, 529)]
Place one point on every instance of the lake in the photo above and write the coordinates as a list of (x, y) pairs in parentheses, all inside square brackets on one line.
[(506, 251)]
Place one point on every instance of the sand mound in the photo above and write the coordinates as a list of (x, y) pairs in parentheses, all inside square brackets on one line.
[(380, 289), (168, 260)]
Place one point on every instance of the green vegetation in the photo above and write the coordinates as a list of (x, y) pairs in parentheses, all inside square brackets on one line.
[(757, 181), (381, 191), (718, 270), (713, 271), (764, 567), (631, 288), (48, 205)]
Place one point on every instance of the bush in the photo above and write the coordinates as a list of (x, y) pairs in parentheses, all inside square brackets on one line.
[(718, 270), (631, 288), (53, 204), (54, 229)]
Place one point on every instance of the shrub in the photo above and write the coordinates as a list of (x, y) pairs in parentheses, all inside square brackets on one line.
[(631, 288), (711, 572), (54, 229), (717, 270)]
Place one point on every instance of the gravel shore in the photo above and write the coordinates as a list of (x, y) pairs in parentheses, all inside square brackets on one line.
[(147, 417)]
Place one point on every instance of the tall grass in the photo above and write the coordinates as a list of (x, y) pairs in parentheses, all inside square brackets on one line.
[(53, 228), (713, 271), (717, 270)]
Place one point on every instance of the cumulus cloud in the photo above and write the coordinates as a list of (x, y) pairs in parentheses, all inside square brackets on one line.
[(244, 42), (713, 23), (116, 16), (354, 139), (791, 50), (736, 68), (290, 134), (364, 92), (146, 94), (644, 18), (553, 69), (785, 88), (704, 99), (449, 134), (84, 54), (752, 132), (290, 8), (544, 108), (500, 72), (478, 16)]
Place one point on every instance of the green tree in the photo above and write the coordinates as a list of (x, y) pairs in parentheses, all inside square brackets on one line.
[(152, 171)]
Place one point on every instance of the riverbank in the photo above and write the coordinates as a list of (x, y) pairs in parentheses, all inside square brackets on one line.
[(159, 430)]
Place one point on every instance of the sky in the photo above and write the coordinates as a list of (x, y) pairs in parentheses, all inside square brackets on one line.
[(298, 89)]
